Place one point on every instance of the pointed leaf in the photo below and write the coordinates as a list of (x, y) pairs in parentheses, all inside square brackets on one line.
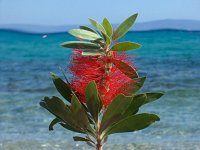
[(53, 122), (125, 68), (105, 139), (99, 41), (124, 27), (133, 86), (107, 26), (137, 101), (63, 72), (115, 110), (79, 113), (125, 46), (58, 108), (106, 38), (92, 100), (80, 45), (139, 84), (68, 127), (133, 123), (78, 138), (91, 144), (63, 88), (84, 34), (87, 28), (98, 26), (153, 96), (91, 54)]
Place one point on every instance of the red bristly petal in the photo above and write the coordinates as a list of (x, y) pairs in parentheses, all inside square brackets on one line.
[(87, 68)]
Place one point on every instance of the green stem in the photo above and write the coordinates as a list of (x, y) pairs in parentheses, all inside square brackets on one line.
[(99, 147), (107, 67), (98, 138)]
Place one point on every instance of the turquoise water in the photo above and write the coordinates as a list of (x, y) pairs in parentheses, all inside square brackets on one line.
[(170, 59)]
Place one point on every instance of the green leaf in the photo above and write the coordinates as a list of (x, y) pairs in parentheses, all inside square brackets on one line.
[(63, 72), (139, 84), (87, 28), (98, 26), (99, 41), (79, 113), (106, 38), (137, 101), (53, 122), (134, 86), (78, 138), (125, 46), (84, 34), (92, 100), (133, 123), (107, 26), (68, 127), (58, 108), (63, 88), (152, 96), (105, 139), (91, 144), (80, 45), (91, 54), (125, 68), (124, 27), (115, 110)]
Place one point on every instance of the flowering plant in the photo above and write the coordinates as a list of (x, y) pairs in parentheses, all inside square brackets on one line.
[(102, 97)]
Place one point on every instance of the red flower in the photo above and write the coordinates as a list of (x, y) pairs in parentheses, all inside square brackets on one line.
[(110, 83)]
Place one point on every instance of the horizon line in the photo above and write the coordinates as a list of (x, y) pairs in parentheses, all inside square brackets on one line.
[(47, 33), (88, 23)]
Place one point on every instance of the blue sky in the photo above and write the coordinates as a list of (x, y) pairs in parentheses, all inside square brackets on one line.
[(65, 12)]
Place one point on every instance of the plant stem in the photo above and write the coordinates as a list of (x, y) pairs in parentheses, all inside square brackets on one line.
[(108, 67), (99, 146), (98, 138)]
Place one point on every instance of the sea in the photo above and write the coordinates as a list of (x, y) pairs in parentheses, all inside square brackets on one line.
[(169, 58)]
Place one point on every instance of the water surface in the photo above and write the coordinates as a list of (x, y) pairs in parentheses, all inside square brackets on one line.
[(170, 59)]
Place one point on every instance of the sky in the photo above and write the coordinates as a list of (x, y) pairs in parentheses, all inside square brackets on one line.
[(68, 12)]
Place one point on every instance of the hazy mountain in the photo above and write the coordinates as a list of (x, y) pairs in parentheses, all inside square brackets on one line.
[(36, 28), (188, 25)]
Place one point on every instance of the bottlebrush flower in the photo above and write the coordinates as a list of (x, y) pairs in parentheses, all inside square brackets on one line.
[(87, 68)]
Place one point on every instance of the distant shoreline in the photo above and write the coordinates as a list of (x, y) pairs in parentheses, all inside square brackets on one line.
[(48, 33), (167, 24)]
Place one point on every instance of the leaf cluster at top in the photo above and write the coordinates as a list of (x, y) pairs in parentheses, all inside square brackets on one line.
[(102, 37)]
